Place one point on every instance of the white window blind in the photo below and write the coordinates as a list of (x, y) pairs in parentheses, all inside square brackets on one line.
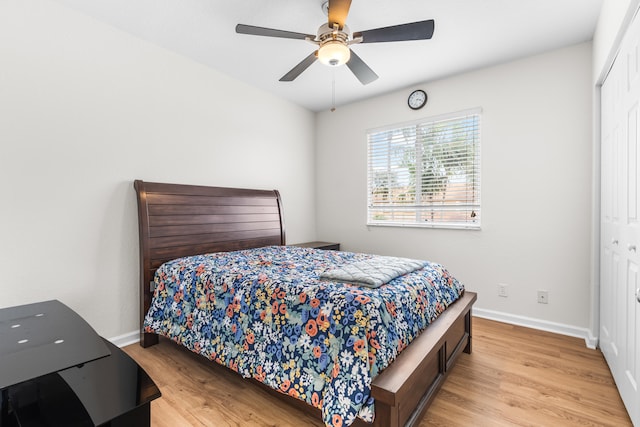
[(426, 173)]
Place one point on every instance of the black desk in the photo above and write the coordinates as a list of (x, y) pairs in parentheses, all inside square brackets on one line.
[(42, 338), (56, 371)]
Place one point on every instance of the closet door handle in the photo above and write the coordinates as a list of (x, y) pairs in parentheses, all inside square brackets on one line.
[(638, 295), (632, 248)]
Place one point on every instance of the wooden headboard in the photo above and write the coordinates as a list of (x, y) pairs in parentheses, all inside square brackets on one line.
[(181, 220)]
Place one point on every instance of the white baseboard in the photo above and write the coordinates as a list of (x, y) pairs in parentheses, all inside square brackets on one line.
[(573, 331), (126, 339)]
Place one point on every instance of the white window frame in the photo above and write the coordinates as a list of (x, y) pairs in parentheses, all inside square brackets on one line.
[(454, 209)]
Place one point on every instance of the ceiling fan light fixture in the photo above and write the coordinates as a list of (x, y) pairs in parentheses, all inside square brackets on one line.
[(334, 53)]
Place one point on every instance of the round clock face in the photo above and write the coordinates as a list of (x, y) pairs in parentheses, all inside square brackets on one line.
[(417, 99)]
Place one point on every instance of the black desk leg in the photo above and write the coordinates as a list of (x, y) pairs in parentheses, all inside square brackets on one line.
[(4, 418)]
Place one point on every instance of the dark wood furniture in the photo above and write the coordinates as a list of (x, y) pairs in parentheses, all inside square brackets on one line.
[(180, 220), (318, 245), (56, 370)]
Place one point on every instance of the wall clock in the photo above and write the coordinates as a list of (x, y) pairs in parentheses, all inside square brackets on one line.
[(417, 99)]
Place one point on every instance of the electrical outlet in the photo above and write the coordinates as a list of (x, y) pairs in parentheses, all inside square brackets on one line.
[(543, 297), (502, 290)]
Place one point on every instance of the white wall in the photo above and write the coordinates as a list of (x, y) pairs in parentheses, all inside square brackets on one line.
[(84, 110), (536, 183)]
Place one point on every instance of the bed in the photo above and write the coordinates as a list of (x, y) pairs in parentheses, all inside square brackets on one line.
[(177, 221)]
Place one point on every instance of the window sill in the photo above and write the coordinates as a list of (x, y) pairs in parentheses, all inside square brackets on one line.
[(437, 226)]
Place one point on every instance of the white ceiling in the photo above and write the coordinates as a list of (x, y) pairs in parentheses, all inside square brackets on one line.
[(469, 34)]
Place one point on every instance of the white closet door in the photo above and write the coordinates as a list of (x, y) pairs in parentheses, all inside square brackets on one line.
[(612, 259), (620, 221), (629, 384)]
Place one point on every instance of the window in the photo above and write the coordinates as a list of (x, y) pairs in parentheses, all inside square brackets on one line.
[(426, 173)]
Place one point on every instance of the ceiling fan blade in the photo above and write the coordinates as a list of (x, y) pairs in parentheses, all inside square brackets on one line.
[(338, 11), (421, 30), (298, 69), (361, 70), (269, 32)]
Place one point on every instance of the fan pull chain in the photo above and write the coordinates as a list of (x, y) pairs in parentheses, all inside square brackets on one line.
[(333, 91)]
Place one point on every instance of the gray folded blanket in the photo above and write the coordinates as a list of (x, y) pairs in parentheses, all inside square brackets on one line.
[(373, 272)]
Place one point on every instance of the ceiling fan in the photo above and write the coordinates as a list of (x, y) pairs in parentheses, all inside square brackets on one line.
[(334, 38)]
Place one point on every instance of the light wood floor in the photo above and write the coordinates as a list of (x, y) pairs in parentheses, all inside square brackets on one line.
[(514, 377)]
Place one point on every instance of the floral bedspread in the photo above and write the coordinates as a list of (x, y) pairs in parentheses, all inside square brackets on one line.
[(266, 314)]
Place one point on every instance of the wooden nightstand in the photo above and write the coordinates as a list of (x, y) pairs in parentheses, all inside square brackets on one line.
[(319, 245)]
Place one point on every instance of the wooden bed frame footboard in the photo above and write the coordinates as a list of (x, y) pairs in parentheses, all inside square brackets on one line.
[(406, 388), (181, 220)]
